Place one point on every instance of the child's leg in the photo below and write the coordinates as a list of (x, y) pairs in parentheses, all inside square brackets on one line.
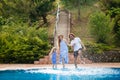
[(53, 66)]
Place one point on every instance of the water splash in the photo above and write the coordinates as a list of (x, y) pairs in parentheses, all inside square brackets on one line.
[(79, 71)]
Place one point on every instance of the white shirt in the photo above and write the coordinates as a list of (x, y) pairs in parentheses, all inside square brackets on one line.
[(76, 43)]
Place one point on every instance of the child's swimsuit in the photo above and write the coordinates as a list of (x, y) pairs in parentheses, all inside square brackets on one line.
[(54, 57)]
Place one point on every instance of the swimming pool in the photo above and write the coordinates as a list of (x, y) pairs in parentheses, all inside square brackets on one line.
[(62, 74)]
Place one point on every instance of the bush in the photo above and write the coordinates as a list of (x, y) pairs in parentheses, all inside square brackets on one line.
[(117, 31), (22, 44), (101, 27), (2, 21), (117, 38), (97, 48)]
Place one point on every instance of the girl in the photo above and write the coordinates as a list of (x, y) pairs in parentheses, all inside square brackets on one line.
[(63, 50), (53, 56)]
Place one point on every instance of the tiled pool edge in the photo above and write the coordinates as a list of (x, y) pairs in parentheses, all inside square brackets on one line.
[(32, 66)]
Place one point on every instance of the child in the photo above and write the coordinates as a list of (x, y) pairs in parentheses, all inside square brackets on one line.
[(53, 56)]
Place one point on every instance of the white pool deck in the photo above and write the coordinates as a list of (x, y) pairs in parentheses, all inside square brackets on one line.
[(33, 66)]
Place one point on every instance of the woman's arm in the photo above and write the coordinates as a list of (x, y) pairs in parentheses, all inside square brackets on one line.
[(67, 42)]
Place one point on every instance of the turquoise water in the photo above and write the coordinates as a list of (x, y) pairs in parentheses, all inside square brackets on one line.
[(62, 74)]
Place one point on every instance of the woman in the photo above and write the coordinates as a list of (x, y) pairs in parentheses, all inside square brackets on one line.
[(63, 50)]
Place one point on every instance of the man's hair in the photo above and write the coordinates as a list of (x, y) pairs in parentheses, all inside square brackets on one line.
[(72, 35)]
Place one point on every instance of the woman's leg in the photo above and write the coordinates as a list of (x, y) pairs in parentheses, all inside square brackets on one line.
[(63, 62)]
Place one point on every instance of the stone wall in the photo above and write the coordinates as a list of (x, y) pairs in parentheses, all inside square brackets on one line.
[(107, 56)]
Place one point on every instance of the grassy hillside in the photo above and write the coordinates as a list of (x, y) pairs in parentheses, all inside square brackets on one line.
[(82, 28)]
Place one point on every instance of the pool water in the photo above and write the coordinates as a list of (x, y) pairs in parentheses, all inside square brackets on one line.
[(62, 74)]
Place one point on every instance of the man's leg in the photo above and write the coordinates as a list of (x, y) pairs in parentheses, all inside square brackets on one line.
[(75, 62), (81, 57), (75, 58)]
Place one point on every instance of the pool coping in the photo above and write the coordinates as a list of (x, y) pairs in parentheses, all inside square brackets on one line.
[(34, 66)]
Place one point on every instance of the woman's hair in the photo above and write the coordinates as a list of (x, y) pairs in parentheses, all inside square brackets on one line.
[(59, 40), (72, 35)]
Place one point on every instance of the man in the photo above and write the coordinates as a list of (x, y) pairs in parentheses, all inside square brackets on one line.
[(77, 46)]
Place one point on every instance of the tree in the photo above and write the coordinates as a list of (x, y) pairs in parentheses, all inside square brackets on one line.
[(112, 8), (27, 10), (69, 4), (40, 8), (101, 27)]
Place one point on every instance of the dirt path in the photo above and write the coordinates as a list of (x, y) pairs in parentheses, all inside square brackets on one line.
[(63, 26)]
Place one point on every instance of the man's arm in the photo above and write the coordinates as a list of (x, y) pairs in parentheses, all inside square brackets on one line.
[(84, 48)]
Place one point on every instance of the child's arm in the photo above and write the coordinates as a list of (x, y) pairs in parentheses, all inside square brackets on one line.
[(50, 54), (51, 51)]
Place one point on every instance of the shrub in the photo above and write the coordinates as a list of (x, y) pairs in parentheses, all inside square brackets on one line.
[(117, 38), (97, 48), (2, 21), (22, 44)]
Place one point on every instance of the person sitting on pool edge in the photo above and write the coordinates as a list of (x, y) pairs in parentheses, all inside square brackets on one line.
[(53, 57)]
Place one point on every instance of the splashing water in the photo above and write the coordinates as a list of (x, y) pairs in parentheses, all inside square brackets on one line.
[(79, 71)]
